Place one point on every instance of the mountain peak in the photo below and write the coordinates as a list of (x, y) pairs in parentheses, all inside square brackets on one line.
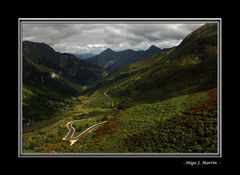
[(115, 60), (108, 50), (32, 43), (153, 48)]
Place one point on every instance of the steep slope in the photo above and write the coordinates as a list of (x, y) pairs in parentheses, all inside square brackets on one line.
[(184, 124), (49, 77), (188, 68), (163, 104), (113, 61), (166, 104), (67, 65)]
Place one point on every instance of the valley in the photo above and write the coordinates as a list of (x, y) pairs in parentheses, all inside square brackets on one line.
[(182, 124), (154, 101)]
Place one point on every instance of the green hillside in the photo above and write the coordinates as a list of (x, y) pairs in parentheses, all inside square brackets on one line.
[(188, 68), (164, 104), (181, 124), (50, 78), (43, 95)]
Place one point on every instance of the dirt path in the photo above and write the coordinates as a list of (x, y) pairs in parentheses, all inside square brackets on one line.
[(105, 93)]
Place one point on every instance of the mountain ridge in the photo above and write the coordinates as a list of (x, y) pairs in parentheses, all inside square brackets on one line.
[(52, 76), (84, 56), (67, 64), (189, 67), (166, 103), (114, 60)]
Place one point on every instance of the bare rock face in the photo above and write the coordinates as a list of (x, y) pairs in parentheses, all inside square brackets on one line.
[(54, 76)]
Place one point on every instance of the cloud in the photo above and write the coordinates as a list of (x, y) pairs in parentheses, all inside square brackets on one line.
[(94, 38)]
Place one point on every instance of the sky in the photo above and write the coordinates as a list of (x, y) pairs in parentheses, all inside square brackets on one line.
[(94, 38)]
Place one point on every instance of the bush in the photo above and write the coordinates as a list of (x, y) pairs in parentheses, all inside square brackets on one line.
[(104, 118)]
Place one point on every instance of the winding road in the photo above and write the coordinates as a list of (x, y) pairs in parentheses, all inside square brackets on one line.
[(69, 137), (71, 131)]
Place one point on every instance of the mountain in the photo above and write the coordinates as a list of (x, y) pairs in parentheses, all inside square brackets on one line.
[(52, 76), (78, 56), (113, 61), (69, 66), (166, 103), (189, 67), (84, 55), (153, 50)]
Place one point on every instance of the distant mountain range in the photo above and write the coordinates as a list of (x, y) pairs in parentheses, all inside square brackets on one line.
[(156, 73), (189, 67), (84, 55), (113, 61), (159, 100)]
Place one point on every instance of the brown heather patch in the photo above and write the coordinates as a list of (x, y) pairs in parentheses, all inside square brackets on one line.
[(53, 147), (208, 50), (209, 104), (109, 127)]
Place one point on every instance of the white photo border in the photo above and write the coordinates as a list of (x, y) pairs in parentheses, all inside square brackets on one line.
[(22, 21)]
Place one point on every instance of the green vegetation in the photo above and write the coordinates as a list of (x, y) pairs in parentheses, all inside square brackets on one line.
[(163, 104), (188, 68), (46, 136), (182, 124), (50, 77)]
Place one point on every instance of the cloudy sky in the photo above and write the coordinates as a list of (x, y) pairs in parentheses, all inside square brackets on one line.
[(94, 38)]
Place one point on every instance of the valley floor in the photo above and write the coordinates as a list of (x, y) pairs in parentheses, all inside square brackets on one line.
[(184, 124)]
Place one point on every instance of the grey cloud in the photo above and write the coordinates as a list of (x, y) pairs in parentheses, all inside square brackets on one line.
[(77, 38), (156, 32)]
